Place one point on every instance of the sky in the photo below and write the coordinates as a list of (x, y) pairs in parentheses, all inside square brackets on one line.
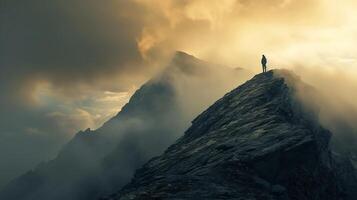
[(67, 65)]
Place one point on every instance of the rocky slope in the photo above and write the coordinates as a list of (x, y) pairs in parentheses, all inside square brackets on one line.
[(257, 142), (95, 163)]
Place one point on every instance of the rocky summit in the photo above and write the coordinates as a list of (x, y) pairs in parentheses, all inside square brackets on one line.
[(257, 142)]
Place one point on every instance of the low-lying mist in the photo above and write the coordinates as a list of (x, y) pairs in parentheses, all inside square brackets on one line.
[(97, 163), (194, 85), (332, 97)]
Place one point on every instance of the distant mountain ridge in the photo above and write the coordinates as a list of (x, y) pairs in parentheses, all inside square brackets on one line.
[(96, 162), (257, 142)]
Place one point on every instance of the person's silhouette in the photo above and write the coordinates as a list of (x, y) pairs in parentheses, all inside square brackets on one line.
[(264, 63)]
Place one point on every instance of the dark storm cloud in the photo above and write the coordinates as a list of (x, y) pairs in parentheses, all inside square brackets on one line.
[(69, 40)]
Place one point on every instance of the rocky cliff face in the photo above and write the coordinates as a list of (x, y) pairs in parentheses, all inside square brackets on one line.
[(257, 142), (97, 162)]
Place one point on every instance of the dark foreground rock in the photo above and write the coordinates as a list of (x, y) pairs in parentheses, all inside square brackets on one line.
[(257, 142)]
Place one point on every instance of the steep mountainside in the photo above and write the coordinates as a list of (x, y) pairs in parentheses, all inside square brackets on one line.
[(257, 142), (95, 163)]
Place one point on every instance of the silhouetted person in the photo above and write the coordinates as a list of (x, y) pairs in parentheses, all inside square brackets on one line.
[(264, 63)]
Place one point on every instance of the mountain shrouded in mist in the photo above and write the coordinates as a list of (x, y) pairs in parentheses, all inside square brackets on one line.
[(68, 69), (67, 65), (97, 162), (260, 141)]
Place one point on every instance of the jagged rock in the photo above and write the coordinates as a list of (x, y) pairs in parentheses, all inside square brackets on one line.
[(257, 142)]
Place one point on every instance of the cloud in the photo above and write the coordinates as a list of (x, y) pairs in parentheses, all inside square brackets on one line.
[(64, 39)]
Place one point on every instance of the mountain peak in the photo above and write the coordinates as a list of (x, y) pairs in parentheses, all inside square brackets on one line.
[(187, 64), (182, 54), (254, 143), (182, 57)]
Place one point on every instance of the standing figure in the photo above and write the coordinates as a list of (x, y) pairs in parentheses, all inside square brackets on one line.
[(264, 63)]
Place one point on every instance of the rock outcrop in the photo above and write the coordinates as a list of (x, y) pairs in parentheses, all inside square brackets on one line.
[(257, 142)]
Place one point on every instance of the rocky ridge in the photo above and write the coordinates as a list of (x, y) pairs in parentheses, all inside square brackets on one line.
[(257, 142)]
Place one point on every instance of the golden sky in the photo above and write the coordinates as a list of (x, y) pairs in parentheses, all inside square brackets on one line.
[(290, 32)]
